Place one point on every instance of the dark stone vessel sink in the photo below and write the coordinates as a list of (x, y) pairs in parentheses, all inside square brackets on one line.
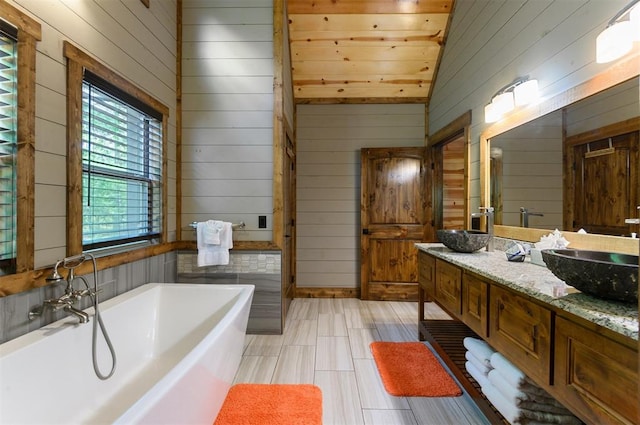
[(463, 240), (602, 274)]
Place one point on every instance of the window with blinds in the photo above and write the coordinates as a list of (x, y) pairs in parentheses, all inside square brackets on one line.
[(121, 166), (8, 148)]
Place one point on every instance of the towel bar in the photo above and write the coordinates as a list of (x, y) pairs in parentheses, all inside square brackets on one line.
[(241, 225)]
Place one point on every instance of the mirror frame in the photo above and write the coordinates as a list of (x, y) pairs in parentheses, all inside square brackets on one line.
[(622, 70)]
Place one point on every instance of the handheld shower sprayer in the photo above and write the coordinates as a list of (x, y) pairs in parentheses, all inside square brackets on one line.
[(72, 296)]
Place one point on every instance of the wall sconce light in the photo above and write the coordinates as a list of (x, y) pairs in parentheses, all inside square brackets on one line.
[(617, 39), (519, 93)]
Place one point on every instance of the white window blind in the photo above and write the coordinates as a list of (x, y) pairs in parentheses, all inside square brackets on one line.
[(8, 149), (122, 166)]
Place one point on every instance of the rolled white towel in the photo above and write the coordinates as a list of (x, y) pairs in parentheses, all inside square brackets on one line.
[(515, 395), (508, 410), (514, 376), (479, 348), (480, 377), (515, 415), (477, 363)]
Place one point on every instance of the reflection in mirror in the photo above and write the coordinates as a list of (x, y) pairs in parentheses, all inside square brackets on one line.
[(527, 172)]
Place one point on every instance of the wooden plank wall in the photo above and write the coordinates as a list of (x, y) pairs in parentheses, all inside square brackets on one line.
[(227, 167), (490, 44), (453, 196), (329, 141), (138, 43)]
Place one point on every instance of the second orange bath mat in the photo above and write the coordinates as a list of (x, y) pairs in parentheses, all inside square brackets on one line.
[(410, 369)]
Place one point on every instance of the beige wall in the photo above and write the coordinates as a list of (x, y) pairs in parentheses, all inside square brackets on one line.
[(328, 195), (137, 43), (227, 135), (491, 43)]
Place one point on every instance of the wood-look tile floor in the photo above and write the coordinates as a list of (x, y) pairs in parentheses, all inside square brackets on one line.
[(326, 343)]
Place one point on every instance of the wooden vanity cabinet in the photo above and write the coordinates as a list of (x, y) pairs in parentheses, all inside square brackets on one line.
[(521, 330), (426, 273), (593, 372), (475, 304), (426, 283), (448, 287), (594, 375)]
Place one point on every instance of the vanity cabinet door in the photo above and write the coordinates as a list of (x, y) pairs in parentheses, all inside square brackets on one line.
[(595, 376), (426, 273), (475, 304), (521, 330), (448, 287)]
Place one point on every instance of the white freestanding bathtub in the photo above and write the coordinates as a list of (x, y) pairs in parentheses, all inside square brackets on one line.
[(178, 347)]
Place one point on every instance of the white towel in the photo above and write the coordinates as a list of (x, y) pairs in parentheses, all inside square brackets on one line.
[(213, 255), (510, 412), (479, 349), (523, 397), (480, 377), (515, 415), (211, 232), (477, 363), (514, 376)]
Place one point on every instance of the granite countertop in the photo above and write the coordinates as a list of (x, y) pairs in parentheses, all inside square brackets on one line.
[(539, 283)]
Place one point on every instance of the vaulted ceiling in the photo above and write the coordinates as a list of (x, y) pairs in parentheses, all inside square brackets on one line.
[(366, 51)]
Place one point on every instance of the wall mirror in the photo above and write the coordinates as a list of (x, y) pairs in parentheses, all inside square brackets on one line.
[(544, 167)]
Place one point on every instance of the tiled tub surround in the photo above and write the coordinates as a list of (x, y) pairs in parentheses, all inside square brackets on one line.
[(259, 268), (539, 283), (14, 309)]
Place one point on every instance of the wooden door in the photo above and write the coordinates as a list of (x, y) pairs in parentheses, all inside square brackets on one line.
[(606, 184), (289, 210), (392, 214)]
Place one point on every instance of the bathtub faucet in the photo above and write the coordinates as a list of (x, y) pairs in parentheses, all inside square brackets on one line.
[(71, 295)]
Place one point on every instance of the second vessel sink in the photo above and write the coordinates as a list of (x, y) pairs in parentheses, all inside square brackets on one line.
[(463, 240), (602, 274)]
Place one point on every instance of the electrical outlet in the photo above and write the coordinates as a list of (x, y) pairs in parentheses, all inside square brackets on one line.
[(262, 222)]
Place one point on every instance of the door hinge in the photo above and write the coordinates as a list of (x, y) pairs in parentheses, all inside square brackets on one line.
[(365, 231)]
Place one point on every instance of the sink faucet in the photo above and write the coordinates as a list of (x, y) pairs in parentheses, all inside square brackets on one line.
[(524, 216), (487, 212), (71, 295)]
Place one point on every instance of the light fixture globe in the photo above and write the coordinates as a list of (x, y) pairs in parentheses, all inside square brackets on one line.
[(634, 18), (526, 93), (504, 103), (491, 114), (614, 42)]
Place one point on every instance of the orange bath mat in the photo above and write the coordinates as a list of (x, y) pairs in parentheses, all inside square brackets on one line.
[(410, 369), (273, 404)]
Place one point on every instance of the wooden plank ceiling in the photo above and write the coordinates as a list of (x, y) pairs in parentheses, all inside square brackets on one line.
[(366, 51)]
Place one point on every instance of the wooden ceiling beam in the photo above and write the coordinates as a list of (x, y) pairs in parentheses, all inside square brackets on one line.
[(429, 23), (369, 6)]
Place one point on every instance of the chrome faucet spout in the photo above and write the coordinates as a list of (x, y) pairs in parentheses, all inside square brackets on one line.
[(81, 315), (524, 216), (487, 212)]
